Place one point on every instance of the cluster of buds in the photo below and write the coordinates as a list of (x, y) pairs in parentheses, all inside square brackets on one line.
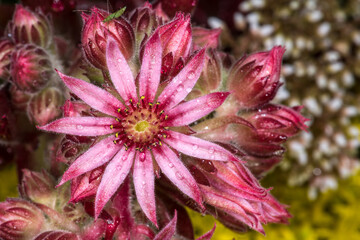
[(163, 120), (321, 65), (28, 62)]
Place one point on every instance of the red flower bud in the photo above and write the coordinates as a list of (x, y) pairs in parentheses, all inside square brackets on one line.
[(203, 37), (86, 185), (277, 121), (144, 20), (45, 106), (174, 6), (176, 37), (96, 32), (31, 68), (254, 80), (20, 219), (39, 187), (6, 49), (210, 77), (30, 27)]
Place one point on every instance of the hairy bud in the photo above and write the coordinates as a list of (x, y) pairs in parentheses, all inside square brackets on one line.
[(6, 49), (30, 27)]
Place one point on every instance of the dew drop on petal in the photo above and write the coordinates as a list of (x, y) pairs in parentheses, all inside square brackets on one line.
[(171, 165), (180, 88), (194, 147), (79, 127), (211, 150), (142, 157), (179, 176), (191, 75)]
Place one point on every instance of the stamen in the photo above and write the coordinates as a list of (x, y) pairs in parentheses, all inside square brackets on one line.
[(111, 126), (115, 142)]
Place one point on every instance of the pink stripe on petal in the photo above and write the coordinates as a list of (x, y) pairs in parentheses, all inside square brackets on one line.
[(182, 84), (188, 112), (94, 96), (120, 72), (168, 231), (144, 183), (96, 156), (149, 76), (198, 148), (174, 169), (114, 175), (82, 126)]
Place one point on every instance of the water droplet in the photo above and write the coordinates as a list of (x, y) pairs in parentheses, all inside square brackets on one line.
[(179, 176), (171, 165), (211, 150), (191, 75), (180, 88), (142, 157), (124, 158), (80, 127), (194, 147), (143, 182)]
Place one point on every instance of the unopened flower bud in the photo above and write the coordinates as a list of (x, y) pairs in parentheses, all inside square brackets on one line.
[(144, 20), (86, 185), (20, 219), (45, 106), (96, 32), (30, 27), (203, 37), (254, 80), (37, 186), (31, 68), (172, 7), (277, 121), (176, 37), (210, 77), (6, 49)]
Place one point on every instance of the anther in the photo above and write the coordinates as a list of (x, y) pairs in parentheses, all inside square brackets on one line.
[(111, 126), (117, 119), (115, 142), (161, 112), (119, 110), (166, 117)]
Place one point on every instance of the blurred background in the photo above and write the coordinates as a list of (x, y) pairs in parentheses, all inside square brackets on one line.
[(319, 177)]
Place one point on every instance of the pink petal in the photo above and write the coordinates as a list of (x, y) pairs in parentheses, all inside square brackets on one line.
[(113, 177), (182, 84), (96, 156), (188, 112), (94, 96), (120, 72), (82, 126), (149, 76), (198, 148), (168, 231), (208, 235), (174, 169), (143, 176)]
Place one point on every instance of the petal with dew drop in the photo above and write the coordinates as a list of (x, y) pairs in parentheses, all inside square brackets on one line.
[(188, 112), (94, 96), (149, 76), (96, 156), (144, 183), (198, 148), (182, 84), (120, 72), (114, 175), (82, 126), (174, 169)]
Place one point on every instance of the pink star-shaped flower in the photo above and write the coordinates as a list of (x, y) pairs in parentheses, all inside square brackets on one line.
[(138, 129)]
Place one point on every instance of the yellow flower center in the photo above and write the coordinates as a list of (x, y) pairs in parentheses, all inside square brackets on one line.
[(141, 126)]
